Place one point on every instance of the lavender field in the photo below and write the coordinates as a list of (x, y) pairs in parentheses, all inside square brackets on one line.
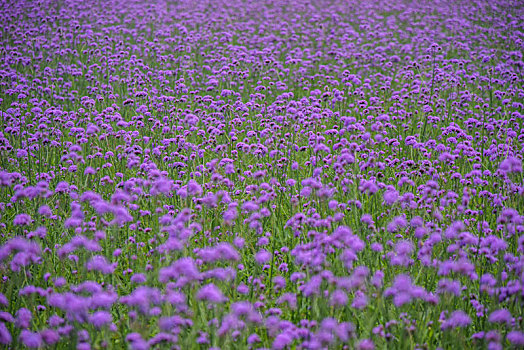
[(274, 174)]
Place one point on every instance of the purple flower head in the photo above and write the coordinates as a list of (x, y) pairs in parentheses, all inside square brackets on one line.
[(183, 270), (5, 336), (228, 325), (500, 316), (100, 318), (22, 220), (99, 263), (403, 291), (246, 310), (449, 286), (83, 346), (253, 338), (211, 293), (55, 321), (45, 210), (454, 230), (239, 242), (367, 219), (23, 318), (282, 340), (262, 256), (403, 251), (223, 251), (360, 301), (516, 338), (290, 299), (193, 188), (142, 297), (279, 282), (30, 339), (136, 342), (396, 224), (6, 317), (377, 279), (162, 186), (365, 344), (511, 165), (457, 319), (339, 298), (391, 196), (50, 336), (230, 215), (138, 278), (3, 300)]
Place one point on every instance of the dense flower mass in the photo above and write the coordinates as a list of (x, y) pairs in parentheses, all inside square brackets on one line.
[(302, 174)]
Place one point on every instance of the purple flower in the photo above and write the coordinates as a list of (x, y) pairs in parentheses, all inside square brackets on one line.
[(55, 321), (136, 342), (262, 256), (367, 219), (279, 282), (184, 270), (100, 318), (339, 298), (230, 215), (162, 186), (5, 336), (229, 323), (457, 319), (60, 282), (139, 278), (454, 229), (403, 250), (247, 310), (83, 346), (376, 247), (162, 338), (239, 242), (377, 278), (223, 251), (282, 340), (89, 171), (449, 286), (23, 318), (500, 316), (99, 263), (30, 339), (22, 220), (396, 224), (312, 287), (211, 293), (62, 187), (45, 210), (365, 344), (253, 338), (50, 336), (142, 297), (250, 206), (511, 165), (360, 301), (193, 188), (516, 338), (403, 291), (3, 299), (391, 196), (6, 317), (290, 299)]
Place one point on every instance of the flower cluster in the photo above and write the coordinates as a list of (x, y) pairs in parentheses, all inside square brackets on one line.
[(324, 174)]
